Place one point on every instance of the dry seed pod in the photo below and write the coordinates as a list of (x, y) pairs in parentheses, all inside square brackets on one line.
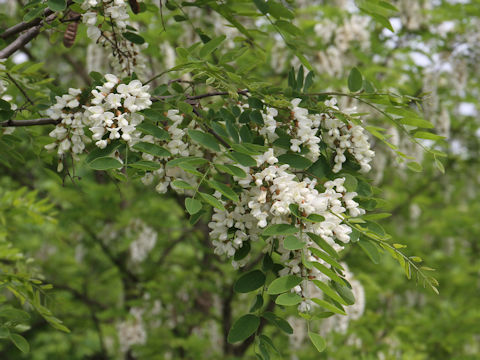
[(71, 31), (134, 6)]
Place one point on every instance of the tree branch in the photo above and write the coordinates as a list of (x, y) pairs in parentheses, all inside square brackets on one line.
[(20, 88), (33, 122), (19, 42)]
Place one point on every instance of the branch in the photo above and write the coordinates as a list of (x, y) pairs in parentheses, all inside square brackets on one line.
[(33, 122), (20, 88), (19, 42)]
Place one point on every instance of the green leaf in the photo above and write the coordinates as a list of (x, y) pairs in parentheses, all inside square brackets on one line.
[(4, 105), (295, 161), (327, 290), (134, 38), (232, 170), (278, 321), (427, 135), (279, 11), (152, 149), (308, 81), (329, 306), (318, 341), (20, 342), (193, 206), (370, 248), (288, 27), (105, 163), (283, 284), (57, 5), (34, 13), (293, 243), (210, 46), (209, 199), (14, 314), (145, 165), (262, 5), (329, 272), (250, 281), (414, 121), (224, 190), (204, 139), (243, 328), (180, 184), (288, 299), (415, 166), (280, 229), (345, 292), (320, 254), (153, 130), (323, 245), (255, 103), (257, 304), (242, 252), (6, 115), (243, 159), (355, 81)]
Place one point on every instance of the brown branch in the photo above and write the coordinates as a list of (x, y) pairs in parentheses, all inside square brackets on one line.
[(24, 25), (19, 42), (33, 122)]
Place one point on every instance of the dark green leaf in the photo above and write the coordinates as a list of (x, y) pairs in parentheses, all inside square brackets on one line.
[(250, 281), (243, 328), (134, 38)]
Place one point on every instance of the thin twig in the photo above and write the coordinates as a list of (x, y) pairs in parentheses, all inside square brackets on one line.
[(20, 88)]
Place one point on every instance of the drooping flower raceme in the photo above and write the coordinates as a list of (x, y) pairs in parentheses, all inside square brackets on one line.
[(114, 111)]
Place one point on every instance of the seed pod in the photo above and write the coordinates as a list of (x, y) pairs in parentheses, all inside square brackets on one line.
[(134, 6), (71, 31)]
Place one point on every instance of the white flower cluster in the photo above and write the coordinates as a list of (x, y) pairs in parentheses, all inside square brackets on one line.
[(132, 331), (267, 198), (306, 129), (125, 53), (347, 137), (114, 110), (69, 133), (113, 114), (145, 240)]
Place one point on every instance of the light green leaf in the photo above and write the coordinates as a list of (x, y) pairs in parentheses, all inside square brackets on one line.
[(280, 229), (288, 299), (193, 206), (318, 341), (209, 199), (105, 163), (283, 284)]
